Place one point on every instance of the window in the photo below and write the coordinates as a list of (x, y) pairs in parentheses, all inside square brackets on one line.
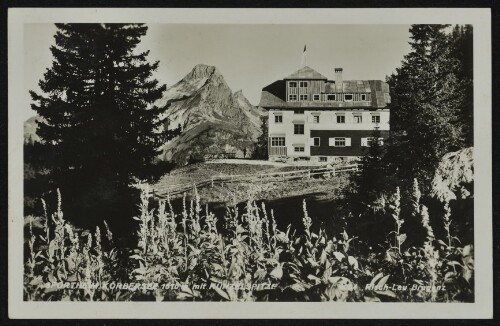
[(298, 129), (292, 84), (375, 118), (277, 141), (292, 97), (278, 118), (304, 97), (298, 149), (303, 84), (348, 97), (331, 97), (367, 141), (315, 141), (298, 111), (340, 118), (316, 118), (322, 159), (339, 142), (316, 97), (358, 118), (363, 97)]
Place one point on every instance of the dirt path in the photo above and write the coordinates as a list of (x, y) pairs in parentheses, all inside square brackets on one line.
[(248, 162), (258, 162)]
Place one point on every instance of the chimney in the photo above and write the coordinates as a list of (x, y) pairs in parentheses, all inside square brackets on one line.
[(338, 79), (338, 75)]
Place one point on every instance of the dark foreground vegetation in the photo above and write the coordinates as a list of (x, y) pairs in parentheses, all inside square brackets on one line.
[(187, 255)]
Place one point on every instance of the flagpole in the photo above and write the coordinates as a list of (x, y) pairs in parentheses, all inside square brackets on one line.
[(304, 57)]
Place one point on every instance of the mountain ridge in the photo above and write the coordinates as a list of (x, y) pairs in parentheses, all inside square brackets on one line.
[(213, 118)]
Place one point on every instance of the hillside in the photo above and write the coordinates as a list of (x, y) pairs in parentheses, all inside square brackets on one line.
[(213, 119)]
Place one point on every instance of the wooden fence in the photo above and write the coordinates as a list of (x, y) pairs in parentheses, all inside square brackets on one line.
[(173, 189)]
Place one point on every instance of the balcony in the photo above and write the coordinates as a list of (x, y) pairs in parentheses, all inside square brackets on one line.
[(277, 150)]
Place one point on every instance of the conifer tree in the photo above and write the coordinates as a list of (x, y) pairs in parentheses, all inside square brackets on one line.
[(426, 110), (261, 147), (462, 50), (371, 180), (97, 104)]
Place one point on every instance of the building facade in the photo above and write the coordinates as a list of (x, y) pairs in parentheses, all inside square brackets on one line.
[(320, 120)]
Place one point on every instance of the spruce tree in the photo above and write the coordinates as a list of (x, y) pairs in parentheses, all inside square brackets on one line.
[(261, 147), (462, 50), (371, 180), (99, 118), (367, 199), (426, 109)]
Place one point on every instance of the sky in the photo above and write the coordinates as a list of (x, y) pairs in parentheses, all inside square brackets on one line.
[(248, 56)]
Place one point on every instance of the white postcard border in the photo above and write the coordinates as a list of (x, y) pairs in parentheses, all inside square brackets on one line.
[(481, 308)]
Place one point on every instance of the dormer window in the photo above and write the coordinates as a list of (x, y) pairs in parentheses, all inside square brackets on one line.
[(303, 84), (348, 97), (304, 97), (292, 84)]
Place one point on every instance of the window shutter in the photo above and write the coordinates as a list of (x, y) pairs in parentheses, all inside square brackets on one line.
[(331, 141), (348, 141), (364, 142)]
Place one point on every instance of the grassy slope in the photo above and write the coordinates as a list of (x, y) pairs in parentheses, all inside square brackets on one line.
[(229, 193)]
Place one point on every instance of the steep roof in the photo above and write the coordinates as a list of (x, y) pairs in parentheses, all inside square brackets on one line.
[(306, 73), (350, 86), (274, 95)]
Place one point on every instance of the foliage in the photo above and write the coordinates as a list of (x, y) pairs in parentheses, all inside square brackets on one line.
[(97, 114), (431, 116), (192, 255), (260, 151), (431, 110), (371, 181)]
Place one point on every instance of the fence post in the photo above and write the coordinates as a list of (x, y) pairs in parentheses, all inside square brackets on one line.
[(309, 174), (212, 182), (333, 171)]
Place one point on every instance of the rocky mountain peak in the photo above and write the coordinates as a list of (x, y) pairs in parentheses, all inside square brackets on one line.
[(238, 95), (213, 118), (203, 71)]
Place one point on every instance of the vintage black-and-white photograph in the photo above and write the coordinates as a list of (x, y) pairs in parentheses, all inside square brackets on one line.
[(248, 162)]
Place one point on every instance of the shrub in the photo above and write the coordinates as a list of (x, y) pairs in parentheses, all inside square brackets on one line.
[(192, 255)]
